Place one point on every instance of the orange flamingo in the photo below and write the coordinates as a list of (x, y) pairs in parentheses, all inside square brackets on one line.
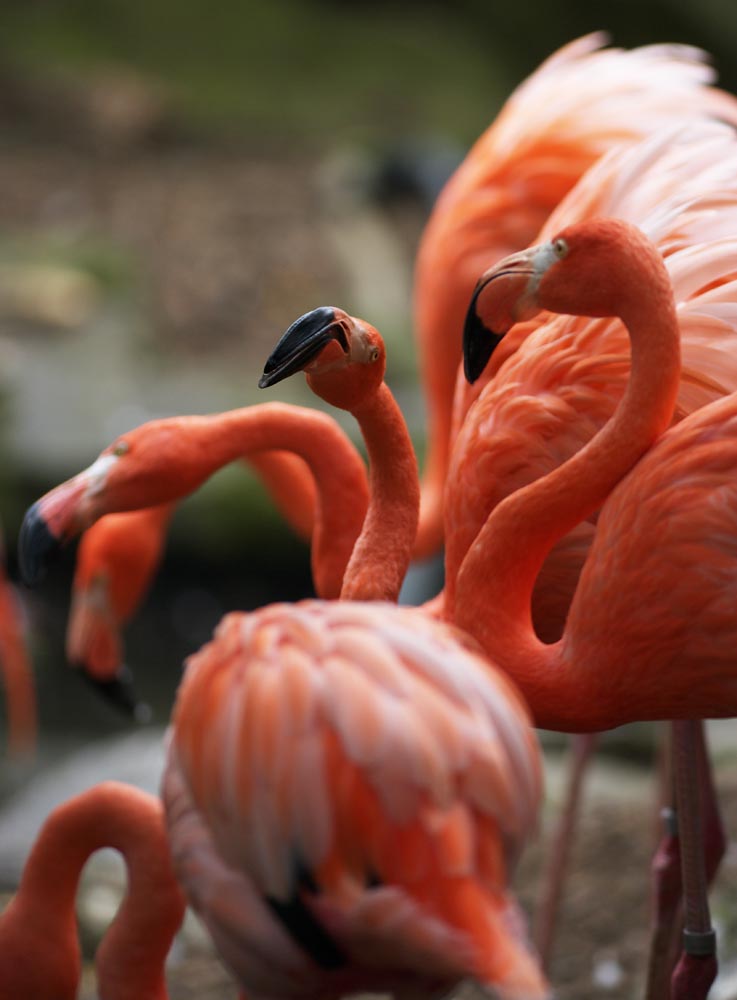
[(581, 103), (535, 409), (649, 634), (16, 673), (118, 556), (39, 950), (176, 455), (336, 895)]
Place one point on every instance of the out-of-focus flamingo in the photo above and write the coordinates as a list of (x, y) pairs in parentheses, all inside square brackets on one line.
[(16, 672), (118, 556), (294, 451), (39, 949), (116, 561), (649, 634), (581, 103), (349, 749)]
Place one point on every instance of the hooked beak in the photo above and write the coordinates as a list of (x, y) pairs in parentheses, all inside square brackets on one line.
[(491, 314), (47, 525), (60, 515), (301, 343), (37, 545)]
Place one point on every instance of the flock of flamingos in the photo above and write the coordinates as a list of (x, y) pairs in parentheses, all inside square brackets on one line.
[(349, 782)]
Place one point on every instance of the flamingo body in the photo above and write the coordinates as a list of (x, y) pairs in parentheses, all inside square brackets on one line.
[(369, 780), (661, 580)]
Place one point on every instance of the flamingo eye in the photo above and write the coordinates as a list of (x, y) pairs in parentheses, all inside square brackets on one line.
[(121, 448), (374, 354), (560, 248)]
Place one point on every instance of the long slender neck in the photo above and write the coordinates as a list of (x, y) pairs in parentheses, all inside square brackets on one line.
[(131, 959), (382, 553), (338, 471), (189, 450), (495, 582)]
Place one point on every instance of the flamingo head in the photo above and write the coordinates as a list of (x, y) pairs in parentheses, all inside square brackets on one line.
[(594, 268), (125, 476), (343, 357)]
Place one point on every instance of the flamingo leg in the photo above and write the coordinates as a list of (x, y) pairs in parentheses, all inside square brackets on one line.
[(697, 967), (665, 944), (582, 747), (666, 877)]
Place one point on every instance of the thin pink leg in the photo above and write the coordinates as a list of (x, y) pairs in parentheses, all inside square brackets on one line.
[(582, 748), (665, 947), (697, 967), (666, 877)]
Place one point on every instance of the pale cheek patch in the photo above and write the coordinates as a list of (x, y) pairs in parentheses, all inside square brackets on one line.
[(543, 259), (361, 347), (97, 473)]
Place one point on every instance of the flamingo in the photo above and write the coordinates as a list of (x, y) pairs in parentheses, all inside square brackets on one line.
[(582, 102), (39, 950), (175, 456), (369, 727), (565, 375), (649, 634), (118, 556), (16, 673)]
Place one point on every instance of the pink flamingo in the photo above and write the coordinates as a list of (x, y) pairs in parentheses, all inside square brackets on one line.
[(16, 673), (647, 636), (39, 950), (118, 556), (565, 375)]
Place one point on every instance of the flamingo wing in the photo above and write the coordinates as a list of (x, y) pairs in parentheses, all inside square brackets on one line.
[(662, 573)]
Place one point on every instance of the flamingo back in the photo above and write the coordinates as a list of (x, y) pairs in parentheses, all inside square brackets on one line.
[(372, 779)]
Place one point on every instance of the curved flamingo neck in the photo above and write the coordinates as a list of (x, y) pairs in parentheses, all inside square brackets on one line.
[(131, 959), (338, 472), (177, 455), (383, 550), (494, 585)]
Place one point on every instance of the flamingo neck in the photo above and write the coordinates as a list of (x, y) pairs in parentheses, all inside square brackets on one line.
[(383, 550), (208, 443), (131, 959), (494, 585)]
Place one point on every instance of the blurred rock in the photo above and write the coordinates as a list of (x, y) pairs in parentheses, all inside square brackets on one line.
[(47, 294)]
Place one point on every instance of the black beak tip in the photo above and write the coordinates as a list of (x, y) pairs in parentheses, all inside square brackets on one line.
[(119, 692), (36, 546), (478, 344), (303, 341)]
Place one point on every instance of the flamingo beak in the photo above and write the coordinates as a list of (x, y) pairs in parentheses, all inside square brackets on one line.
[(301, 344), (60, 515), (493, 311), (121, 693)]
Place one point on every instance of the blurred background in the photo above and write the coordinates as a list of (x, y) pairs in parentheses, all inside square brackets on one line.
[(178, 182)]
